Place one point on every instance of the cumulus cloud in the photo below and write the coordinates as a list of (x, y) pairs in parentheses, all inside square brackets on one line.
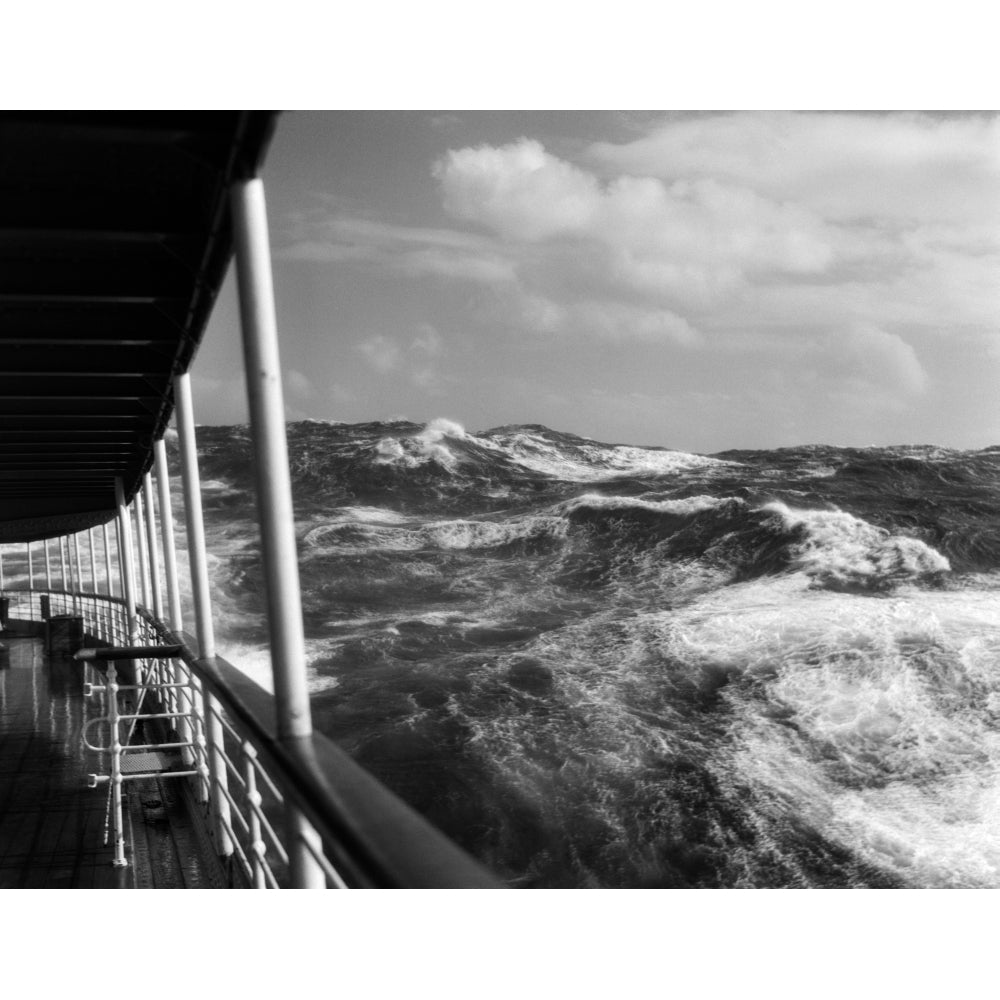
[(783, 219), (416, 360), (865, 355), (686, 245), (382, 353), (844, 166), (298, 384), (607, 320), (518, 190)]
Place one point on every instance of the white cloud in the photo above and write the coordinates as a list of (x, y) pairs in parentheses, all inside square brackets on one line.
[(783, 219), (427, 340), (412, 250), (608, 320), (687, 243), (382, 353), (417, 361), (844, 166), (519, 190), (863, 355), (298, 384)]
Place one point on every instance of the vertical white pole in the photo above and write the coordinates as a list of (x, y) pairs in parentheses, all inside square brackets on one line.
[(162, 670), (140, 545), (62, 562), (167, 528), (48, 567), (2, 583), (78, 579), (198, 559), (107, 561), (274, 496), (93, 561), (119, 860), (152, 547), (184, 729), (125, 566), (31, 568)]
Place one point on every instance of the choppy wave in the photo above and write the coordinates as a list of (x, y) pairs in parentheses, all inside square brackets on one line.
[(578, 460), (447, 445), (598, 665), (841, 551)]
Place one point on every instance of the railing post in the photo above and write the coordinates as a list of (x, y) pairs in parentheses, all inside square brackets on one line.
[(276, 515), (201, 592), (255, 844), (119, 860)]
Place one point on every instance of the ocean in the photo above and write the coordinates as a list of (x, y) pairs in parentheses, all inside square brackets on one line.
[(599, 665)]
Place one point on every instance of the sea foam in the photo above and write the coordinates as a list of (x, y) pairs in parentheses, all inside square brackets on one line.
[(839, 550)]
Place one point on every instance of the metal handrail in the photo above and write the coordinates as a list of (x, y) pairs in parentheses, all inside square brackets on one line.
[(370, 837)]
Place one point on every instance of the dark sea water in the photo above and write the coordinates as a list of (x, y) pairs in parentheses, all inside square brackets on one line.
[(605, 666)]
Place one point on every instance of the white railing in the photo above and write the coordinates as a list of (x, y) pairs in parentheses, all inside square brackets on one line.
[(361, 835)]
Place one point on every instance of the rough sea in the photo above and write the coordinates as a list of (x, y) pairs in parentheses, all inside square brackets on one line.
[(599, 665)]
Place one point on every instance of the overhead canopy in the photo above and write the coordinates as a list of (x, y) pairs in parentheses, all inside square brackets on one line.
[(114, 240)]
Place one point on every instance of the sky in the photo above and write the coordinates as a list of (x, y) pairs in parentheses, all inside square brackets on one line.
[(691, 280)]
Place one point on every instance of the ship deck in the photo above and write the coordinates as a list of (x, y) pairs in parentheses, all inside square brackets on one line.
[(52, 826)]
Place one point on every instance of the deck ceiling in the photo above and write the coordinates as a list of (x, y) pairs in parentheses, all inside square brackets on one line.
[(114, 240)]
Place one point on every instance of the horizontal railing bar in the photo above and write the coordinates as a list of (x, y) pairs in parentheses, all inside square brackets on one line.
[(371, 838), (128, 653), (355, 815)]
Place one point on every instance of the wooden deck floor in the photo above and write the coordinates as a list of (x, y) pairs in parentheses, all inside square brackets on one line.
[(51, 825)]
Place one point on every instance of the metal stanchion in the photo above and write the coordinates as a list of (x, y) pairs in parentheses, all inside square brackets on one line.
[(108, 579), (274, 497), (202, 604), (93, 561)]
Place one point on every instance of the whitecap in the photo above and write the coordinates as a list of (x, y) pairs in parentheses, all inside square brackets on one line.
[(840, 550)]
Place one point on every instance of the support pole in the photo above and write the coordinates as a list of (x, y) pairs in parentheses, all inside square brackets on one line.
[(107, 561), (125, 566), (78, 579), (93, 561), (162, 670), (274, 496), (152, 547), (31, 568), (62, 562), (198, 559), (184, 728), (167, 529), (48, 567), (140, 545)]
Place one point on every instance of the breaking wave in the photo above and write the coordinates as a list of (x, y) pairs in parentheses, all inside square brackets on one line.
[(599, 665)]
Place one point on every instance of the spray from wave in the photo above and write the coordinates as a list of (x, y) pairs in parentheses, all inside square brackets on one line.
[(600, 665)]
